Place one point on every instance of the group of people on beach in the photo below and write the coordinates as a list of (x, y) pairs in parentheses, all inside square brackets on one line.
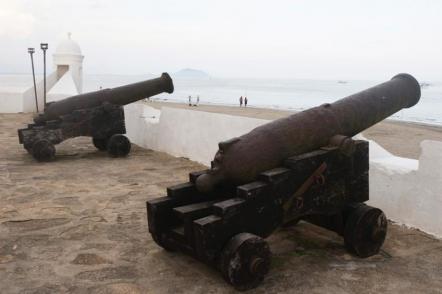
[(241, 100), (197, 100)]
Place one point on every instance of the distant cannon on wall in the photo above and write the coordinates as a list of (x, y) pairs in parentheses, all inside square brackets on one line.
[(302, 167), (99, 115)]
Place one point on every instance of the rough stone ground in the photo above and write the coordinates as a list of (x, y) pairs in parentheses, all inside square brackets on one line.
[(78, 225)]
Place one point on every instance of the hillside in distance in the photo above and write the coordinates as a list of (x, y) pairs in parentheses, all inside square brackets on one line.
[(191, 73)]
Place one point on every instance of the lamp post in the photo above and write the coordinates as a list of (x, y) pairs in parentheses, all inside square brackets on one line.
[(31, 52), (44, 47)]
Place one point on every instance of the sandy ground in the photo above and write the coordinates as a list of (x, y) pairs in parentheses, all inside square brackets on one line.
[(400, 138), (78, 225)]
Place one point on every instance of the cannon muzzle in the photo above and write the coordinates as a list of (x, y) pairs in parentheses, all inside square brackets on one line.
[(241, 159), (118, 96)]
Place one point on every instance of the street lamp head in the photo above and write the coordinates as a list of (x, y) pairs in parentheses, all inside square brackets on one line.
[(31, 50), (44, 46)]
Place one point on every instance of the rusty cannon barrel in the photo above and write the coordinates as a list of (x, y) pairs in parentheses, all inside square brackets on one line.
[(241, 159), (118, 96)]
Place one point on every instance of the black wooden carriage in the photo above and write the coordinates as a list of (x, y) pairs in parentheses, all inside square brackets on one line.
[(104, 123), (225, 228)]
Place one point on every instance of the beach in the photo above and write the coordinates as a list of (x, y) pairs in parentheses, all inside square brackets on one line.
[(399, 138)]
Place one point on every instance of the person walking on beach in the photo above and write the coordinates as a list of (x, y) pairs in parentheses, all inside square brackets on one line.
[(197, 100), (240, 101), (190, 100), (245, 101)]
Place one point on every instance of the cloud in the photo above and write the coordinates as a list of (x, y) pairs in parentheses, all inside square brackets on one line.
[(247, 38), (15, 23)]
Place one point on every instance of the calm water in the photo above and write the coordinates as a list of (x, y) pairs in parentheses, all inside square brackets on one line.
[(283, 94)]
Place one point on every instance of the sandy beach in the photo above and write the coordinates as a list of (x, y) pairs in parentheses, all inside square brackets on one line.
[(400, 138)]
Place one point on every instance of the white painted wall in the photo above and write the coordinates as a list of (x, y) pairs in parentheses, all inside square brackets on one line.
[(65, 87), (75, 65), (184, 133), (68, 70), (11, 102), (15, 102), (57, 87), (409, 191), (29, 94)]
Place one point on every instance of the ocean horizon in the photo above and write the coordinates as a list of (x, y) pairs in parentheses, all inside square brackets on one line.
[(287, 94)]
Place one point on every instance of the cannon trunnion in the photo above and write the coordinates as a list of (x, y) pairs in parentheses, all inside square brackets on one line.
[(225, 227), (99, 115)]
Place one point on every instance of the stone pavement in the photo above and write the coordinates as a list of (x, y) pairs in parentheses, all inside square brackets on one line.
[(78, 225)]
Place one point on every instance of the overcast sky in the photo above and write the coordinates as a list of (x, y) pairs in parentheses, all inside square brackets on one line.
[(239, 38)]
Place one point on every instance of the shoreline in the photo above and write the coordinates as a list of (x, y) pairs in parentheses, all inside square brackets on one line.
[(289, 110), (401, 138)]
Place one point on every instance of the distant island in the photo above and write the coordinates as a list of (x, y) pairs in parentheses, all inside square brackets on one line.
[(191, 73)]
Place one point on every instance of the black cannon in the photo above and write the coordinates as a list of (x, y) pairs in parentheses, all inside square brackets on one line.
[(303, 167), (99, 115)]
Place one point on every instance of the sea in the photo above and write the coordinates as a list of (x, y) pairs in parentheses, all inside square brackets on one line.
[(287, 94)]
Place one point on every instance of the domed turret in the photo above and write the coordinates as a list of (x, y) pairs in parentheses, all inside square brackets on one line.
[(68, 47), (68, 57)]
